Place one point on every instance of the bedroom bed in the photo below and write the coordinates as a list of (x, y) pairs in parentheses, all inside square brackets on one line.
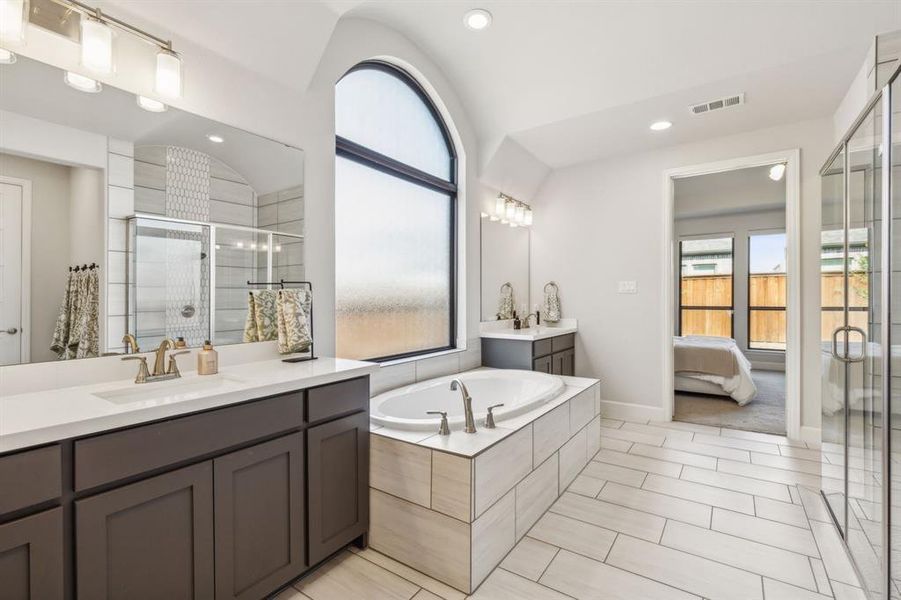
[(714, 366)]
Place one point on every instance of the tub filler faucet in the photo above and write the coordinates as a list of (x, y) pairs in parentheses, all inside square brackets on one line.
[(467, 404)]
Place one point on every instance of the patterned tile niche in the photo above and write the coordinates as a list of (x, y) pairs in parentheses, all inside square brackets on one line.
[(187, 252)]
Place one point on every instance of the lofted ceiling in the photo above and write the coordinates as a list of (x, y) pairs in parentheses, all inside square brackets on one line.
[(572, 81)]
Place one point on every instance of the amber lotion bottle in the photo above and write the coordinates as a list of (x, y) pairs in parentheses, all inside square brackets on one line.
[(207, 360)]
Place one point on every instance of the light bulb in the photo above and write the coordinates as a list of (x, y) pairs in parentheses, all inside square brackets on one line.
[(13, 17), (151, 105), (528, 217), (82, 83), (520, 215), (96, 46), (499, 205), (510, 210), (168, 74)]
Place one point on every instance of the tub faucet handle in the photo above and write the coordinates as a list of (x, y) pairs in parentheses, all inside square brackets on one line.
[(489, 418), (444, 428)]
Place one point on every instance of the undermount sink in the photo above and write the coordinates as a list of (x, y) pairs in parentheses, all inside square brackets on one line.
[(173, 390)]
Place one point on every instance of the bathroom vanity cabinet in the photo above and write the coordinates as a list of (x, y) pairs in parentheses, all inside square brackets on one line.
[(230, 503), (555, 355)]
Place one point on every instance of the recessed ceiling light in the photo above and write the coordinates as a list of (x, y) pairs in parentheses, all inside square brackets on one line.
[(151, 105), (82, 83), (216, 139), (777, 171), (660, 125), (6, 57), (477, 19)]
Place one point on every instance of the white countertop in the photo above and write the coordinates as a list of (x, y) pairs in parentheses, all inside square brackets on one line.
[(57, 414), (503, 330)]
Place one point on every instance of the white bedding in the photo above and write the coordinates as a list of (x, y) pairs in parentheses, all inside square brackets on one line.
[(740, 388)]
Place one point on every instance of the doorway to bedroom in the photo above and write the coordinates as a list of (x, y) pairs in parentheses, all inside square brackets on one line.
[(730, 309)]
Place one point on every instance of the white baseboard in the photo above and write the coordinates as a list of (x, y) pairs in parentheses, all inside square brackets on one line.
[(610, 409), (811, 434)]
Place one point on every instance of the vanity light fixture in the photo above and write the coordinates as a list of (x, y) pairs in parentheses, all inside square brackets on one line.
[(477, 19), (168, 73), (527, 219), (96, 45), (82, 83), (510, 209), (216, 139), (13, 18), (520, 216), (6, 57), (149, 104), (660, 125), (777, 171)]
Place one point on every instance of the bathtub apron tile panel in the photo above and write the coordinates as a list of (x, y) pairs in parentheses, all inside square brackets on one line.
[(535, 494), (452, 485), (493, 536), (581, 410), (501, 467), (401, 469), (573, 456), (551, 431)]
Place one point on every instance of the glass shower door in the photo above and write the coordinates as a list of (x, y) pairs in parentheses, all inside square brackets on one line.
[(832, 322), (864, 400)]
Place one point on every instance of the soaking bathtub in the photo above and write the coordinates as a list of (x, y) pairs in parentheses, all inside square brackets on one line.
[(520, 391)]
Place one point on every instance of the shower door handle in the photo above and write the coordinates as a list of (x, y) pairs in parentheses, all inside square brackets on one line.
[(835, 342), (863, 345)]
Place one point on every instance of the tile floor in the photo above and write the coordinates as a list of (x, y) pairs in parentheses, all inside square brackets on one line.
[(663, 511)]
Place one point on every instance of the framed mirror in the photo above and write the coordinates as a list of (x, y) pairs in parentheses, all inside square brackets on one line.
[(121, 216)]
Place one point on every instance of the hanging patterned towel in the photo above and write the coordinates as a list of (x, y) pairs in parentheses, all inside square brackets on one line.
[(293, 321), (262, 319), (87, 345), (505, 307), (551, 302), (60, 342)]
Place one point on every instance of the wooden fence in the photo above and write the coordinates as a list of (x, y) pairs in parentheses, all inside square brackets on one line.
[(767, 327)]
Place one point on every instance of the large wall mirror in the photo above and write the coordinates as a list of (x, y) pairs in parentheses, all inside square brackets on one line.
[(505, 267), (116, 219)]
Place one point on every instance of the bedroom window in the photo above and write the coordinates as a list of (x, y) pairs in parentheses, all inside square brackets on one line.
[(395, 218), (766, 291), (705, 287)]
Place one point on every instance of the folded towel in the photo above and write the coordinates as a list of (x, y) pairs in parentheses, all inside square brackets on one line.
[(293, 309), (262, 318)]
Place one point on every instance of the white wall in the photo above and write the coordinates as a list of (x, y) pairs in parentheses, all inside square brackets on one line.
[(601, 222), (87, 212)]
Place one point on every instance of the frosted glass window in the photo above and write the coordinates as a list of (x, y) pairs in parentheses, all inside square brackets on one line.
[(383, 112), (394, 250)]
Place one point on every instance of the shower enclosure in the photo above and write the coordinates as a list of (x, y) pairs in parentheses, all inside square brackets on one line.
[(190, 279), (860, 280)]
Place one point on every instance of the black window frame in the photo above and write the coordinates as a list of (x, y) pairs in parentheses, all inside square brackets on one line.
[(731, 308), (764, 308), (360, 154)]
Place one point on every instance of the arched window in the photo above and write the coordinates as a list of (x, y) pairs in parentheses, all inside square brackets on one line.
[(395, 217)]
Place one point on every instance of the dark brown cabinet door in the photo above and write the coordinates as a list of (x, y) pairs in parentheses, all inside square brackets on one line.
[(542, 364), (31, 557), (568, 362), (259, 518), (148, 540), (338, 480)]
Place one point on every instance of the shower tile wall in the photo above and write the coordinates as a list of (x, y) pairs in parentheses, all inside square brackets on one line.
[(182, 183), (283, 211)]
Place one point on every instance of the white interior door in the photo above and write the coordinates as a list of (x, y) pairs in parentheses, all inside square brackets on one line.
[(10, 274)]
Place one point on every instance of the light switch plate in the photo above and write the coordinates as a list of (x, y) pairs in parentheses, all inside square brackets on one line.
[(627, 287)]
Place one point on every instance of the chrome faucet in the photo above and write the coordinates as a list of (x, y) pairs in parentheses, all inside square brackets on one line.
[(470, 426), (159, 363)]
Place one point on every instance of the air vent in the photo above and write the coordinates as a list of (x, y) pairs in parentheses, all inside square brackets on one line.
[(718, 104)]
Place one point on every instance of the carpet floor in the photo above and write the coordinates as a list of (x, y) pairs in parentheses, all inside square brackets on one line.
[(765, 413)]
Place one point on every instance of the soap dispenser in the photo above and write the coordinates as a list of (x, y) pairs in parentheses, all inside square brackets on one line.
[(207, 360)]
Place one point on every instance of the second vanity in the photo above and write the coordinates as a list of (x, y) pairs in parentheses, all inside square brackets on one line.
[(548, 349), (225, 486)]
